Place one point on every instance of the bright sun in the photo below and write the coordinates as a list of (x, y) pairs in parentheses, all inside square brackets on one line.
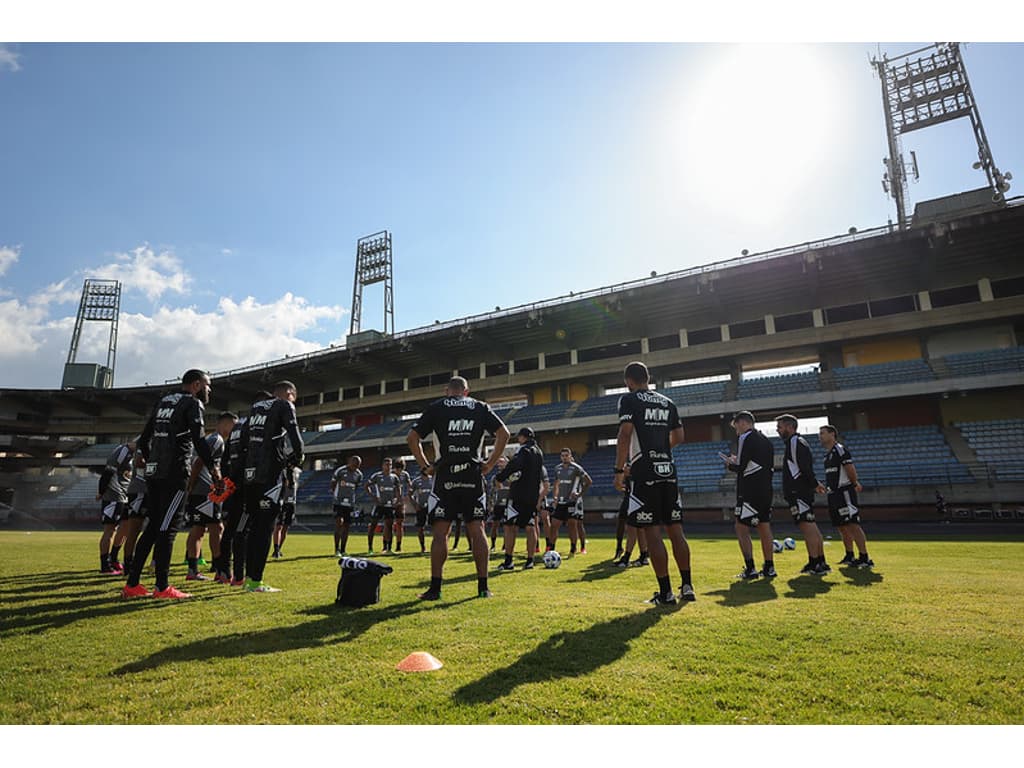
[(757, 119)]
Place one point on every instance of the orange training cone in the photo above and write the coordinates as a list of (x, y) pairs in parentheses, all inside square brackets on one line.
[(419, 662)]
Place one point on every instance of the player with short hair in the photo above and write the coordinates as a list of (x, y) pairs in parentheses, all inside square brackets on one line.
[(570, 483), (649, 427), (523, 474), (202, 514), (113, 495), (753, 464), (842, 487), (458, 423), (272, 427), (798, 485), (234, 539), (135, 513), (174, 429), (385, 488), (345, 483)]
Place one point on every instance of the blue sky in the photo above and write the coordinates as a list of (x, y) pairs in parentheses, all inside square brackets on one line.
[(226, 184)]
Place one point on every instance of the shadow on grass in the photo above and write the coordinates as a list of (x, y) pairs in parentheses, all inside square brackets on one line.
[(566, 654), (602, 570), (38, 618), (802, 587), (861, 577), (742, 593), (337, 624)]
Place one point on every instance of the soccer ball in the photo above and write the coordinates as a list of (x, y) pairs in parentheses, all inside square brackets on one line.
[(552, 559), (777, 545), (789, 544)]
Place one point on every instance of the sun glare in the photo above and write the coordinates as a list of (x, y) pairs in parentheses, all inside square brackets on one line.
[(755, 121)]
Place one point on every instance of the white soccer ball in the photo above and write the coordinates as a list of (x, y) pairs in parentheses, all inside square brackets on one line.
[(789, 543), (777, 545), (552, 559)]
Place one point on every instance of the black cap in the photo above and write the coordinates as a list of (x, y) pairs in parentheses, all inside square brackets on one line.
[(525, 432), (744, 415)]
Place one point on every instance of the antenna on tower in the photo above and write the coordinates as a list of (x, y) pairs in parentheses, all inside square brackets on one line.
[(101, 302), (922, 92)]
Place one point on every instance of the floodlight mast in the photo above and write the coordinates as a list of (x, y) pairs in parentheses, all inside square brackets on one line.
[(923, 92), (373, 265), (100, 302)]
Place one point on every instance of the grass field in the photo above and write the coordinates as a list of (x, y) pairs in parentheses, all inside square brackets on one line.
[(932, 635)]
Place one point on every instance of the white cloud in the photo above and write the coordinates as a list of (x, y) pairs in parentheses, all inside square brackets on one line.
[(8, 257), (9, 59), (143, 269)]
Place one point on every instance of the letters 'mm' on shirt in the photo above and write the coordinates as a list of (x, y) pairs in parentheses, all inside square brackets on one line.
[(458, 425), (653, 417), (174, 428)]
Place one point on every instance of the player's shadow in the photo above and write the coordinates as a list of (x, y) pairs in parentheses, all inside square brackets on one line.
[(566, 654), (40, 617), (861, 577), (600, 571), (742, 593), (337, 624), (14, 588), (802, 587)]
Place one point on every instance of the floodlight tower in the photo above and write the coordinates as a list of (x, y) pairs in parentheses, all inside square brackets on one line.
[(919, 93), (373, 265), (101, 302)]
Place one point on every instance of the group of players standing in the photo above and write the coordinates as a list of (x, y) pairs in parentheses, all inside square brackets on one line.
[(244, 474), (237, 484), (392, 490)]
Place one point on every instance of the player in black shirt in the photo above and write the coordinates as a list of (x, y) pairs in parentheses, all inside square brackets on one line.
[(523, 474), (649, 427), (113, 494), (842, 487), (165, 447), (270, 422), (753, 464), (798, 486), (458, 423)]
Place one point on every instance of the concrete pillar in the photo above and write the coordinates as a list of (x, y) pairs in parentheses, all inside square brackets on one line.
[(985, 289), (405, 385), (684, 340), (924, 301), (769, 324), (573, 358), (511, 367), (725, 332), (540, 361), (483, 370), (362, 391), (645, 346), (819, 318), (383, 386)]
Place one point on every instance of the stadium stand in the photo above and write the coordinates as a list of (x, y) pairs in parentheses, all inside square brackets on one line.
[(999, 444), (772, 386), (986, 362), (539, 413), (696, 394), (882, 374), (904, 456)]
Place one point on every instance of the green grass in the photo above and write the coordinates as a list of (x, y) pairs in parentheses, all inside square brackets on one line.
[(933, 635)]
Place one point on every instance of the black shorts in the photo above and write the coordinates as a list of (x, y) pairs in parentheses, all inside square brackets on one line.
[(421, 517), (520, 513), (345, 512), (624, 509), (842, 507), (287, 514), (567, 511), (387, 513), (202, 511), (111, 512), (498, 513), (753, 512), (136, 506), (801, 508), (466, 504), (655, 503)]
